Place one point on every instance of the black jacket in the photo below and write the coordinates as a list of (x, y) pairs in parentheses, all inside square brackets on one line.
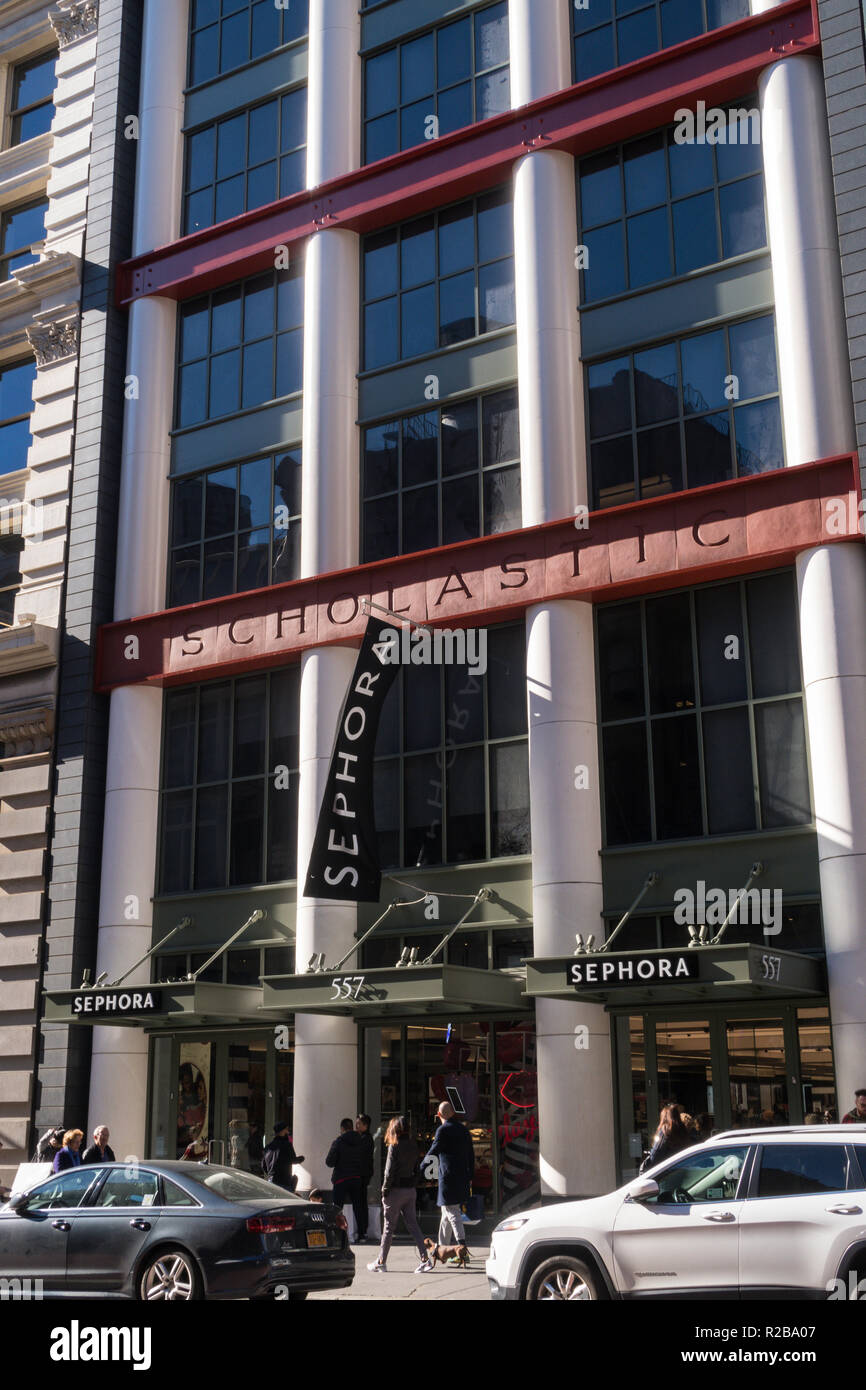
[(367, 1155), (452, 1145), (402, 1165), (277, 1161), (346, 1156), (665, 1146), (95, 1155)]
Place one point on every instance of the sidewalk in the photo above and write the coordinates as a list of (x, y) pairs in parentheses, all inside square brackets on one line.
[(446, 1281)]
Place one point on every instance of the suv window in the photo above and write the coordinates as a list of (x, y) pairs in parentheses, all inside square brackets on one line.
[(860, 1150), (713, 1175), (122, 1189), (796, 1170), (63, 1190)]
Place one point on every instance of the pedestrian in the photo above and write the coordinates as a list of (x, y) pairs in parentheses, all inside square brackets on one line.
[(857, 1116), (68, 1156), (279, 1156), (362, 1126), (99, 1151), (49, 1145), (669, 1138), (452, 1146), (346, 1156), (399, 1195)]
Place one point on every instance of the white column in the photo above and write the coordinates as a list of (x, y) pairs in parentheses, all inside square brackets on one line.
[(819, 422), (326, 1048), (577, 1153), (118, 1076)]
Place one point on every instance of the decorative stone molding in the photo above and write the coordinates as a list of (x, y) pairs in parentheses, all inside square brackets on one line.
[(52, 342), (26, 730), (75, 20), (27, 646)]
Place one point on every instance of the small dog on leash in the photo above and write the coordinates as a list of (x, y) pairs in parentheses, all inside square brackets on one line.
[(444, 1253)]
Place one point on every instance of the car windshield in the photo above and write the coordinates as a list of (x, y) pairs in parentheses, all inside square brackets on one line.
[(237, 1186)]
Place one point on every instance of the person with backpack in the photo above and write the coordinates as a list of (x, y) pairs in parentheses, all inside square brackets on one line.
[(279, 1156), (348, 1156), (399, 1195)]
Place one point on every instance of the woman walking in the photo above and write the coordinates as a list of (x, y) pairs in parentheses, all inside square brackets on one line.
[(398, 1194)]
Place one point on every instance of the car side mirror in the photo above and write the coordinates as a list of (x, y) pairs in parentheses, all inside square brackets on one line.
[(18, 1201), (641, 1190)]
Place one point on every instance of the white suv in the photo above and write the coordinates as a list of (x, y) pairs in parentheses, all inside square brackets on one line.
[(769, 1213)]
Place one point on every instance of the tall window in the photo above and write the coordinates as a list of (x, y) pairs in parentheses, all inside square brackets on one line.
[(246, 160), (230, 783), (443, 475), (652, 209), (225, 34), (437, 82), (439, 280), (610, 33), (20, 229), (686, 413), (452, 780), (235, 528), (240, 347), (10, 575), (32, 98), (702, 713), (16, 403)]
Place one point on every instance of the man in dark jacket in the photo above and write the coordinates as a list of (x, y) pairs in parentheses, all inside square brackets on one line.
[(452, 1146), (99, 1151), (279, 1156), (362, 1128), (347, 1157)]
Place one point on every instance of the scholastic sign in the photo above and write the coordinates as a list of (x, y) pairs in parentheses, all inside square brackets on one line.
[(115, 1001), (610, 971)]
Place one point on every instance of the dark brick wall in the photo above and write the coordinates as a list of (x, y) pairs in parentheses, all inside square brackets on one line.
[(61, 1091)]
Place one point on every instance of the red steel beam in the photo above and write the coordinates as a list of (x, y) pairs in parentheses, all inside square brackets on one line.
[(721, 66), (738, 527)]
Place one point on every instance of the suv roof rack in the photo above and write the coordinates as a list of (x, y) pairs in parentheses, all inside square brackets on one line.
[(789, 1129)]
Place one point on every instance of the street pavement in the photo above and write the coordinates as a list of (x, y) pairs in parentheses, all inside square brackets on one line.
[(446, 1282)]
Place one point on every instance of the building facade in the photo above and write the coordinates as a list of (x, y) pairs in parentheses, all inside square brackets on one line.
[(525, 317)]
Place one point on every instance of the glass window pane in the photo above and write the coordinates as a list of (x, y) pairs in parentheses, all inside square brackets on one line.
[(454, 52), (231, 146), (258, 366), (200, 158), (495, 227), (743, 225), (229, 198), (758, 431), (605, 269), (179, 743), (708, 450), (690, 165), (681, 20), (262, 141), (186, 510), (266, 28), (420, 442), (612, 472), (381, 529), (454, 108), (225, 320), (721, 646), (176, 842), (381, 138), (254, 560), (23, 226), (609, 397), (500, 427), (380, 333), (184, 574), (644, 173), (728, 771), (782, 770), (247, 838), (626, 784), (456, 309), (705, 367), (225, 371), (753, 357), (192, 394), (287, 554), (284, 718), (600, 189), (293, 169), (416, 69), (204, 55), (193, 330), (741, 154), (695, 236), (290, 301), (649, 252), (16, 390), (422, 719), (594, 53), (287, 484), (502, 510), (221, 486), (491, 37), (506, 688), (459, 438), (464, 706), (721, 12), (466, 806), (637, 36), (211, 833), (33, 81), (620, 660), (496, 296), (423, 799), (380, 83), (656, 384), (282, 846), (456, 239), (199, 211), (460, 508), (492, 94), (214, 727), (290, 363), (417, 253), (420, 520), (380, 458), (413, 122), (677, 778), (802, 1170), (669, 653), (218, 570), (380, 265), (235, 41), (31, 123), (659, 462), (386, 799), (773, 637), (259, 308), (262, 185), (293, 119)]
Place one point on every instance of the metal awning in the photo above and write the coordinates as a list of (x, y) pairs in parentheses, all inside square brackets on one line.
[(726, 972), (183, 1002), (414, 989)]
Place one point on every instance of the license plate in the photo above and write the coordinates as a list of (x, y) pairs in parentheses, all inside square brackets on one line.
[(316, 1238)]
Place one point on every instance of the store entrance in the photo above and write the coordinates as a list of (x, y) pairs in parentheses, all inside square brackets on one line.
[(486, 1069), (732, 1068)]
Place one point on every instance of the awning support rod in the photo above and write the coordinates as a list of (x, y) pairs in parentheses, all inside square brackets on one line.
[(182, 924), (480, 897), (650, 882), (318, 970), (755, 872), (253, 917)]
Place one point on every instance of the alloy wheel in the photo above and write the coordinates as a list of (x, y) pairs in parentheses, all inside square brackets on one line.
[(169, 1278), (563, 1285)]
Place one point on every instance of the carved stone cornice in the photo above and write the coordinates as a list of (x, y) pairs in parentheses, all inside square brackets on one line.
[(26, 730), (52, 342), (74, 20)]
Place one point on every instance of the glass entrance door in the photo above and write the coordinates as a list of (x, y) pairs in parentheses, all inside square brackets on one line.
[(757, 1071)]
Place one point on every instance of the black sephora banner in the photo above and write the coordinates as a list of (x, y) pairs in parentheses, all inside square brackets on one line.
[(344, 864)]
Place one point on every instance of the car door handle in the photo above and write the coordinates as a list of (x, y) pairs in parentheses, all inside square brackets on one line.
[(140, 1225), (61, 1225), (845, 1211), (718, 1216)]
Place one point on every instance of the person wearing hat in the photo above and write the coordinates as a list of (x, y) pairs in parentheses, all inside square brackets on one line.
[(279, 1156), (857, 1116)]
